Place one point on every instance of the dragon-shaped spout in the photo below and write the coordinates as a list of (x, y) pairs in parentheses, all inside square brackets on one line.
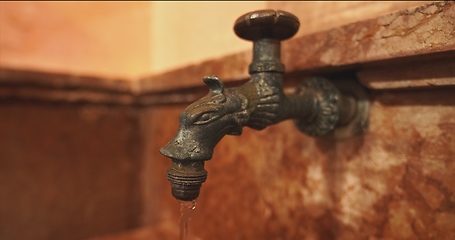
[(317, 106), (206, 121)]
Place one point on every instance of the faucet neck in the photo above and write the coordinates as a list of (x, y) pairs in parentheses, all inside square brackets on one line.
[(266, 56)]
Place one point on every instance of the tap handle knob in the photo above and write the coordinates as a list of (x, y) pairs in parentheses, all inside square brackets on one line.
[(270, 24)]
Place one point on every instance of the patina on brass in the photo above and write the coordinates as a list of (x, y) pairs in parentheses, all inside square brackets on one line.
[(317, 106)]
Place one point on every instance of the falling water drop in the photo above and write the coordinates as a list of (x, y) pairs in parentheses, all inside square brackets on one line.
[(186, 207)]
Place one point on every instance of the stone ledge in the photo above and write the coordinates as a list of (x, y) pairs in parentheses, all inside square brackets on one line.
[(16, 84), (53, 80)]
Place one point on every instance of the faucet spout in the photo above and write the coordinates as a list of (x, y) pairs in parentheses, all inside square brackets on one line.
[(317, 106)]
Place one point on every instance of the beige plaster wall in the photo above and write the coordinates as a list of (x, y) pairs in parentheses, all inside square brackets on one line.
[(120, 39), (133, 39), (95, 38), (190, 32)]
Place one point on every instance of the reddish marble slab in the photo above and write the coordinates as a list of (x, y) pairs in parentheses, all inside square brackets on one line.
[(394, 182), (68, 171)]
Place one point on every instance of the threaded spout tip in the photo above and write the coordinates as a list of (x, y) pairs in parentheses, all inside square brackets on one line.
[(186, 179)]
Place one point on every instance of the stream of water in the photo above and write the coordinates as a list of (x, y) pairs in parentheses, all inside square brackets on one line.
[(186, 207)]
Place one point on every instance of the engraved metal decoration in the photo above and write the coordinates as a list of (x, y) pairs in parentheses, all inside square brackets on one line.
[(318, 107), (327, 111)]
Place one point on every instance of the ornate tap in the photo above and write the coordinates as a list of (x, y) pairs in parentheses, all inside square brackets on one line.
[(318, 107)]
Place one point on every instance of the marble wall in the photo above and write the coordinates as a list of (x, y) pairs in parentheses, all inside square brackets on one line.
[(394, 182), (68, 170), (75, 170)]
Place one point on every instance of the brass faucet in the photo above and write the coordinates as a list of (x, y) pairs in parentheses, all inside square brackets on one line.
[(317, 107)]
